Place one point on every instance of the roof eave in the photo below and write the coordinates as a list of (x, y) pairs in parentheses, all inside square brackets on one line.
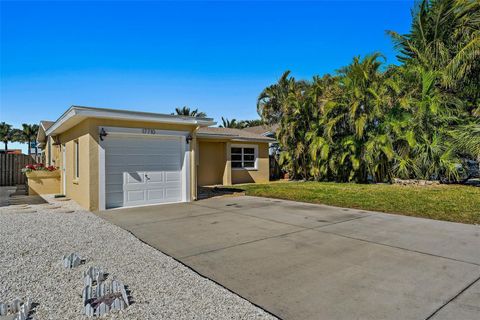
[(215, 136), (253, 140), (41, 135), (234, 138), (75, 115)]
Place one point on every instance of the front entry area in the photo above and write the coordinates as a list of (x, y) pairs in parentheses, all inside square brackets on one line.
[(144, 169)]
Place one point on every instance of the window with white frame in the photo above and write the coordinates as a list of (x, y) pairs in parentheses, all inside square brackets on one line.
[(244, 157), (76, 159)]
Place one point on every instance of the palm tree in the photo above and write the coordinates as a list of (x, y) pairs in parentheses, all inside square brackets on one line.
[(466, 139), (27, 134), (5, 133), (354, 116), (271, 102), (230, 123), (445, 39), (185, 111), (370, 122), (251, 123)]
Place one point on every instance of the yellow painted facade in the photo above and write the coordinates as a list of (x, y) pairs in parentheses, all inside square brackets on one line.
[(43, 182), (261, 174), (214, 165), (210, 163)]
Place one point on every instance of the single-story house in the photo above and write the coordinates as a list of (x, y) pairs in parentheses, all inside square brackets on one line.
[(269, 131), (264, 130), (116, 158)]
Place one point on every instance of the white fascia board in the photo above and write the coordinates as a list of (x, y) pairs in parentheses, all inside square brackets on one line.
[(233, 138), (64, 117), (215, 136), (41, 136), (252, 140), (77, 114)]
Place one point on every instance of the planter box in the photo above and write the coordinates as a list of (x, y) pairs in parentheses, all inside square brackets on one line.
[(43, 182)]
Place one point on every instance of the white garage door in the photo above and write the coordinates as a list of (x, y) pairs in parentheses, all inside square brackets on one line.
[(141, 171)]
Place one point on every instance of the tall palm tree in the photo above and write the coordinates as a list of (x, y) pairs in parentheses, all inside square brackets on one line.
[(251, 123), (445, 39), (271, 102), (230, 123), (354, 119), (370, 122), (27, 134), (186, 111), (5, 133), (466, 139)]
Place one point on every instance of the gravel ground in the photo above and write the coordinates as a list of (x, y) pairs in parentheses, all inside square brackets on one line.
[(34, 238)]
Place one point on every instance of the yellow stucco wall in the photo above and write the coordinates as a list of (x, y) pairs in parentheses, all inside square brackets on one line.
[(214, 164), (211, 163), (261, 174), (78, 189), (43, 182), (85, 190)]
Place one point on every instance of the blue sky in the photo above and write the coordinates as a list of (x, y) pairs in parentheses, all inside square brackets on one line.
[(155, 56)]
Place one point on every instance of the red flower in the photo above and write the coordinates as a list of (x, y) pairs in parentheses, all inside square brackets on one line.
[(51, 168), (30, 166), (38, 166)]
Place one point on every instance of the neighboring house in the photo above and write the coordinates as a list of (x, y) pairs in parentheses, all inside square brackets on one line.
[(11, 151), (114, 158), (42, 142), (266, 131), (270, 131)]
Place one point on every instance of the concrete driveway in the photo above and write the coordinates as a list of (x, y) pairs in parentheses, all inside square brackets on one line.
[(304, 261)]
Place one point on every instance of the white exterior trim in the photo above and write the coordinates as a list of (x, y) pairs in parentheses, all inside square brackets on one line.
[(233, 138), (64, 169), (146, 132), (101, 177), (140, 132), (255, 147), (75, 114)]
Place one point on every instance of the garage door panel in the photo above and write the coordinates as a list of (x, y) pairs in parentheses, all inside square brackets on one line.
[(129, 160), (114, 160), (115, 177), (154, 177), (114, 169), (134, 177), (158, 194), (134, 159), (115, 199), (114, 188), (135, 195), (172, 193), (172, 176)]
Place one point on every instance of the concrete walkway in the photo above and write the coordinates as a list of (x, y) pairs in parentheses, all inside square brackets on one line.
[(15, 195), (303, 261), (5, 193)]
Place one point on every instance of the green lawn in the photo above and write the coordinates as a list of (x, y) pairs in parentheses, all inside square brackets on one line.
[(444, 202)]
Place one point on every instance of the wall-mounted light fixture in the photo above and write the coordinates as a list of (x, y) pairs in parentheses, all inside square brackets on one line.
[(188, 138), (56, 140), (102, 134)]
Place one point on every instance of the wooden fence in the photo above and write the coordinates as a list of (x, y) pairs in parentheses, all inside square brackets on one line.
[(275, 170), (11, 166)]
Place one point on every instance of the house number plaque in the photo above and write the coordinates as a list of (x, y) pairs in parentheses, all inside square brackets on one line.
[(148, 131)]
